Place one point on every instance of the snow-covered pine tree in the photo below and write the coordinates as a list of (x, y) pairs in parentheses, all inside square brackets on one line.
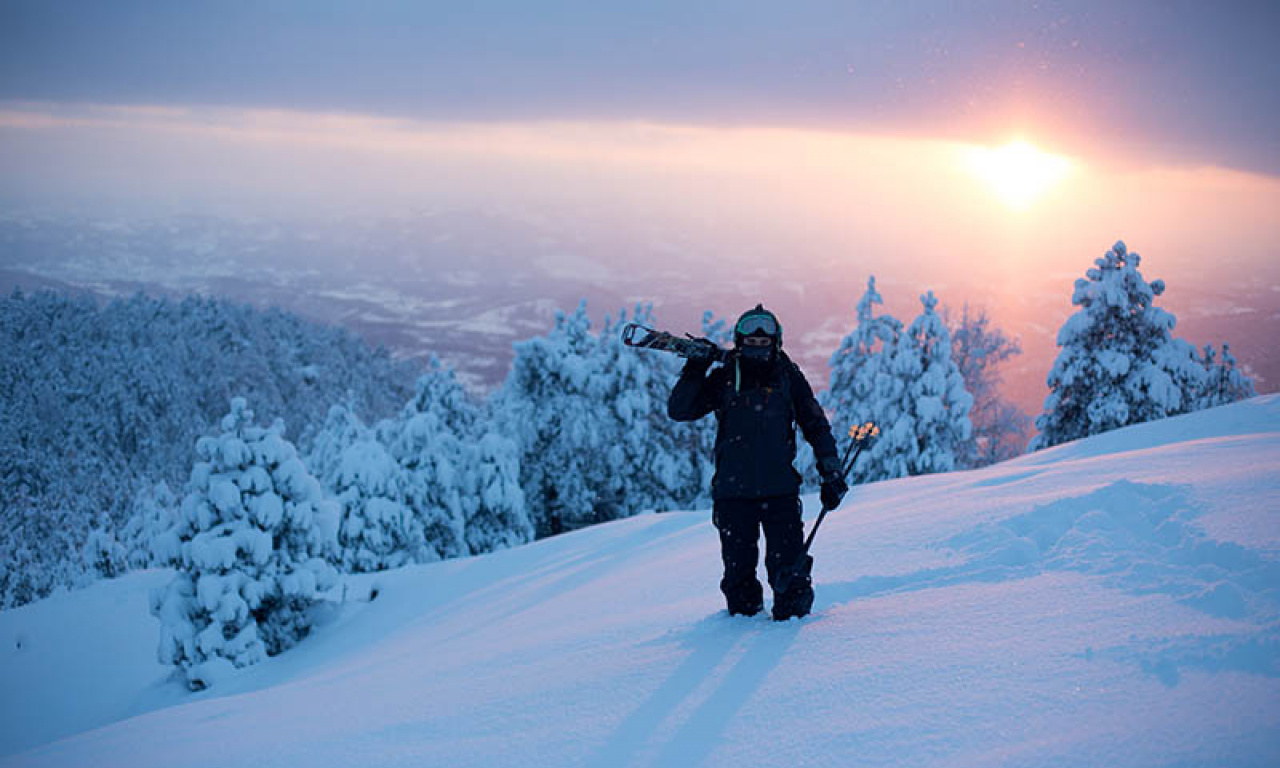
[(103, 555), (861, 386), (937, 403), (1119, 363), (147, 536), (254, 535), (547, 402), (378, 528), (432, 458), (999, 428), (654, 461), (595, 440), (342, 428), (462, 478), (493, 502), (1224, 381)]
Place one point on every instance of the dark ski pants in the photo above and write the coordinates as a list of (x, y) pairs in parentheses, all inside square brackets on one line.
[(739, 522)]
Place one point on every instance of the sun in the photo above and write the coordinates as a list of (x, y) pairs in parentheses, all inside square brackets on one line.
[(1018, 173)]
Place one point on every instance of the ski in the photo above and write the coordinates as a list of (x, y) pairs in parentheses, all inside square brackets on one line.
[(636, 335)]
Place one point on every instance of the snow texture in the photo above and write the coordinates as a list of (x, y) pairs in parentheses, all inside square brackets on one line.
[(1111, 601)]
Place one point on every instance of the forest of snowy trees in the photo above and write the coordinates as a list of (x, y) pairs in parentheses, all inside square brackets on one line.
[(103, 404), (261, 455)]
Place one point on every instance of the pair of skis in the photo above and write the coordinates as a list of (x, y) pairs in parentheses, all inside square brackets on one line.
[(636, 335)]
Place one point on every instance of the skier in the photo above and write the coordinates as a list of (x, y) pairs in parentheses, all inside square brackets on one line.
[(758, 396)]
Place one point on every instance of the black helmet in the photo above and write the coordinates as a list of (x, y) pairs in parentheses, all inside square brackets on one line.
[(760, 323)]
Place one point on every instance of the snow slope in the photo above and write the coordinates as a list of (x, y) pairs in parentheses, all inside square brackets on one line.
[(1114, 601)]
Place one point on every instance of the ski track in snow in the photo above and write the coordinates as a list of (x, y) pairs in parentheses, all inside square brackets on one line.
[(1114, 601)]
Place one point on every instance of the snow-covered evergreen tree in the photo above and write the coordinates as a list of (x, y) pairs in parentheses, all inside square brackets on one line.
[(937, 402), (862, 387), (105, 556), (999, 428), (378, 528), (342, 429), (462, 478), (906, 382), (591, 420), (655, 462), (1224, 381), (147, 536), (254, 535), (434, 482), (493, 502), (547, 402), (1119, 363)]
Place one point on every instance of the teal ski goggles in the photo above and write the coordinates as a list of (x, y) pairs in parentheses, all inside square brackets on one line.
[(758, 324)]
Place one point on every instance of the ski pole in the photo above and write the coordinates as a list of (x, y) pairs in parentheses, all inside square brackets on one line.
[(859, 436)]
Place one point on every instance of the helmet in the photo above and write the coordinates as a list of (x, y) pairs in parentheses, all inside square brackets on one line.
[(759, 323)]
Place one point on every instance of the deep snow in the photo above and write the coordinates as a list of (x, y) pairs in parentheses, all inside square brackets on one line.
[(1114, 601)]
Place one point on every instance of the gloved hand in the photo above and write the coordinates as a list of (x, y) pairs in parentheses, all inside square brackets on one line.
[(833, 490), (707, 347), (696, 365)]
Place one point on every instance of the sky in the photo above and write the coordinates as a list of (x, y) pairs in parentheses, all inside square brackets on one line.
[(939, 145), (1177, 80)]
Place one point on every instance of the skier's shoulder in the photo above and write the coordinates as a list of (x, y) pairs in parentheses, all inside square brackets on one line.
[(789, 367), (799, 384)]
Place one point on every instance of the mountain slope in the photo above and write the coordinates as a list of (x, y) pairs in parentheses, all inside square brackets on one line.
[(1114, 601)]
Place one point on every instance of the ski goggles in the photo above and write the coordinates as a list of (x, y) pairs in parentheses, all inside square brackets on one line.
[(758, 324)]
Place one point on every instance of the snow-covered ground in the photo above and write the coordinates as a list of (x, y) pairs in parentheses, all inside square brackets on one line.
[(1114, 601)]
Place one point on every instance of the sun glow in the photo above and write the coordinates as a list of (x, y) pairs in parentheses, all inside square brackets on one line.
[(1018, 173)]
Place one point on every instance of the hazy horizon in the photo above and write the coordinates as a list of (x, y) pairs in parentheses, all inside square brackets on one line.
[(988, 154)]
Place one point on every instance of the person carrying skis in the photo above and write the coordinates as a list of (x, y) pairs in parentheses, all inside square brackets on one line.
[(758, 396)]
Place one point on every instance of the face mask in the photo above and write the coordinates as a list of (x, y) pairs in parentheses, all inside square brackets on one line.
[(754, 353)]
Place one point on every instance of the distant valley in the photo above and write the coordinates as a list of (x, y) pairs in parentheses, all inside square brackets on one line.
[(466, 285)]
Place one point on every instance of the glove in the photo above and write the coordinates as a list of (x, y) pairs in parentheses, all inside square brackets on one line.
[(705, 348), (696, 365), (833, 490)]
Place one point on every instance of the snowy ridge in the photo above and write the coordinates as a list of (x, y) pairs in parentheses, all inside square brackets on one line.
[(1112, 601)]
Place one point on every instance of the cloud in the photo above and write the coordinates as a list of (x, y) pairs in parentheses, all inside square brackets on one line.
[(1187, 81)]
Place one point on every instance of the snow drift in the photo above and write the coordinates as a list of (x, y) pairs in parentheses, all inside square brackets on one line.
[(1111, 601)]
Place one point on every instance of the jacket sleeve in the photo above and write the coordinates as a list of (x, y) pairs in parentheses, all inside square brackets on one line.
[(813, 422), (691, 398)]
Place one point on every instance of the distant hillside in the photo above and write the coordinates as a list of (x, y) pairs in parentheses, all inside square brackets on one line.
[(102, 400)]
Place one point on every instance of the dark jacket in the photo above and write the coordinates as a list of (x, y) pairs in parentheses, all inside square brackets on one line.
[(756, 412)]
